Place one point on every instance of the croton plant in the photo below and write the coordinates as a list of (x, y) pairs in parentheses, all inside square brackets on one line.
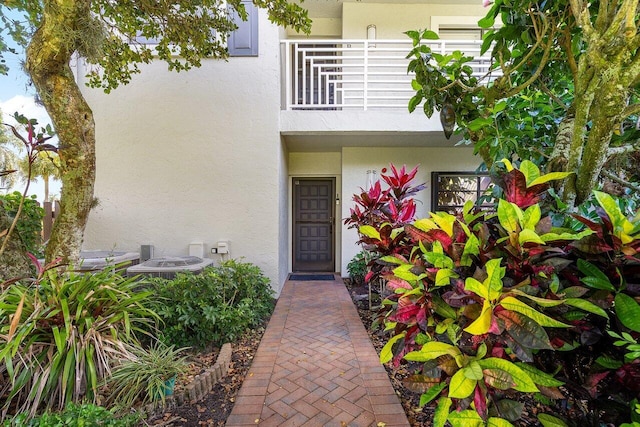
[(478, 295)]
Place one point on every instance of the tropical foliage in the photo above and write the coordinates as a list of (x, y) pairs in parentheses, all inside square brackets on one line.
[(561, 90), (60, 335), (479, 296)]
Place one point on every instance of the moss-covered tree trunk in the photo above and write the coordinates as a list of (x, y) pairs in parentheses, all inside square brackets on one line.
[(48, 57), (606, 71)]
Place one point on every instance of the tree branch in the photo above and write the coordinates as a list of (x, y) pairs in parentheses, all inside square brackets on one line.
[(553, 96), (631, 110), (612, 151), (536, 74), (616, 178), (565, 41)]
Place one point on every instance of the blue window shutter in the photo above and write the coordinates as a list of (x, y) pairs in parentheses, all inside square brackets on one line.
[(244, 40)]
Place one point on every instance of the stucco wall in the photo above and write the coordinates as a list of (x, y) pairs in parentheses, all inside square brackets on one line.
[(356, 162), (392, 19), (195, 156)]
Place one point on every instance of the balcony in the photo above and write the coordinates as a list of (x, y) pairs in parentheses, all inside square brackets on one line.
[(358, 75)]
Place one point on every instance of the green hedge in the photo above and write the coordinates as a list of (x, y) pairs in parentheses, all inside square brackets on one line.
[(213, 307)]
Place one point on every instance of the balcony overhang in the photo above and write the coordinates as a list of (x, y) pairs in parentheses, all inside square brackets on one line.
[(326, 131)]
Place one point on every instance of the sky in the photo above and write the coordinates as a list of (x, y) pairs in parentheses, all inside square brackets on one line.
[(17, 95)]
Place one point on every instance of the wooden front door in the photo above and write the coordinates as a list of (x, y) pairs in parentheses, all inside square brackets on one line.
[(313, 224)]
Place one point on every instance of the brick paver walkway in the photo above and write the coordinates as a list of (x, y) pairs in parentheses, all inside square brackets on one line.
[(316, 366)]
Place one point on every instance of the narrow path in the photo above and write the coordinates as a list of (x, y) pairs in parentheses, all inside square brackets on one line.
[(316, 366)]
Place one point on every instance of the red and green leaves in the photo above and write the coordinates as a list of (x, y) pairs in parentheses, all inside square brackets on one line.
[(525, 186)]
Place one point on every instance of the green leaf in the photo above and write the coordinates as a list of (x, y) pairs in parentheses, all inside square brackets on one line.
[(442, 412), (466, 418), (461, 386), (369, 231), (500, 106), (425, 224), (487, 22), (597, 283), (432, 393), (482, 324), (498, 422), (549, 177), (586, 306), (433, 350), (513, 304), (530, 171), (551, 237), (403, 272), (430, 35), (508, 216), (473, 371), (543, 302), (539, 377), (522, 380), (527, 235), (628, 311), (589, 269), (386, 354), (444, 276), (392, 260), (550, 421), (413, 103), (471, 248), (531, 217), (493, 282), (479, 123), (478, 288), (608, 362), (610, 206)]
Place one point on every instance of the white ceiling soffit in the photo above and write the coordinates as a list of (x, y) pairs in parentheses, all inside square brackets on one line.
[(333, 8)]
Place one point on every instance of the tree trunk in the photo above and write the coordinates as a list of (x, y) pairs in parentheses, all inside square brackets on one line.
[(48, 57), (45, 179)]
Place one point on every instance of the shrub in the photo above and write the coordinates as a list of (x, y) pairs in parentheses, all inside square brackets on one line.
[(213, 307), (60, 334), (478, 295), (144, 378), (29, 226), (357, 268), (75, 415)]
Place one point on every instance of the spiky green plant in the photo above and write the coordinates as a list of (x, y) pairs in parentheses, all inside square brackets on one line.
[(61, 333)]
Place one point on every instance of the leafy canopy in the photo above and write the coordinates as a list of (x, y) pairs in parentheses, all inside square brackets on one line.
[(183, 32)]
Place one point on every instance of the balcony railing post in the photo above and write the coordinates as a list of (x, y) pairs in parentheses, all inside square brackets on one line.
[(288, 70), (365, 93)]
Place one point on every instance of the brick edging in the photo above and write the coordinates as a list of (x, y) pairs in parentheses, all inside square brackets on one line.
[(201, 385)]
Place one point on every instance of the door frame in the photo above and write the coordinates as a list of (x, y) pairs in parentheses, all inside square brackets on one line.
[(334, 215)]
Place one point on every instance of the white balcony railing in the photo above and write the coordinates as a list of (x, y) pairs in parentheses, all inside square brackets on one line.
[(358, 74)]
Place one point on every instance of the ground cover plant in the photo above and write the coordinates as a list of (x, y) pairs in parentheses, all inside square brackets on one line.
[(487, 305), (75, 415)]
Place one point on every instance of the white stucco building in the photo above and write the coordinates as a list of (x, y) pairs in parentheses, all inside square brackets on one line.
[(266, 149)]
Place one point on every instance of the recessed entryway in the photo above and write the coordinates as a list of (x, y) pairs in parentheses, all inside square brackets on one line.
[(313, 224)]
